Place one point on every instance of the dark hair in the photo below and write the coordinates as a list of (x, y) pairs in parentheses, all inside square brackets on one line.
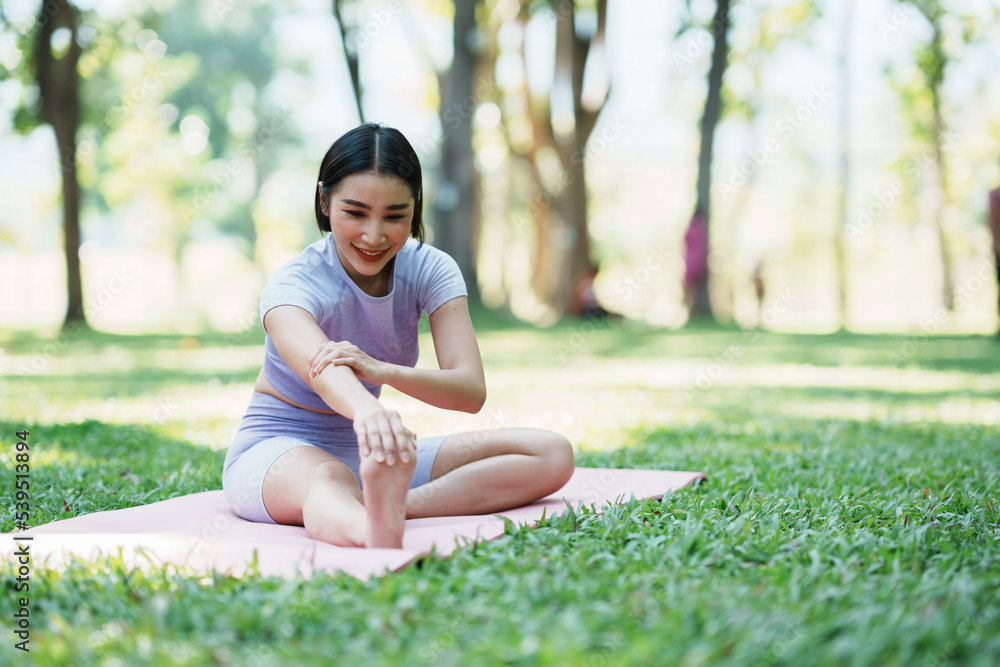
[(376, 148)]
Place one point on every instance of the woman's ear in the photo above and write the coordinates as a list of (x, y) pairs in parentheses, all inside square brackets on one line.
[(323, 202)]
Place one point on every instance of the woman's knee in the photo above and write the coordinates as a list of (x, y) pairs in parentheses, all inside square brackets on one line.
[(562, 453), (331, 471), (333, 476), (557, 453)]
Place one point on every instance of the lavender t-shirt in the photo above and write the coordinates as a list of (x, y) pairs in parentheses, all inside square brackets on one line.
[(385, 328)]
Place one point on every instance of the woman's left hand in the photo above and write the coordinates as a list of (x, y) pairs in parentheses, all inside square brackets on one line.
[(345, 353)]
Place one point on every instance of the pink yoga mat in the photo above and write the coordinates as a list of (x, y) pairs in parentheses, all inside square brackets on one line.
[(199, 532)]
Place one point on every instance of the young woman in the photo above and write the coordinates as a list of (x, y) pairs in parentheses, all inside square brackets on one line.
[(316, 448)]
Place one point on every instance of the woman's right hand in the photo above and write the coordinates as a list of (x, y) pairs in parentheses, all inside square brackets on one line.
[(381, 434)]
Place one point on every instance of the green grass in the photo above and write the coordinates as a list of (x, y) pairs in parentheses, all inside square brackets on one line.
[(851, 517)]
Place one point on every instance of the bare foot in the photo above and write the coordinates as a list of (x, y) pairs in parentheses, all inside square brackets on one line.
[(385, 489)]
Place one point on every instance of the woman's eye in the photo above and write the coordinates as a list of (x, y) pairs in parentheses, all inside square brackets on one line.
[(396, 218), (355, 214)]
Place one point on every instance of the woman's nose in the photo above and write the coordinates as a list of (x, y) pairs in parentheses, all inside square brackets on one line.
[(372, 233)]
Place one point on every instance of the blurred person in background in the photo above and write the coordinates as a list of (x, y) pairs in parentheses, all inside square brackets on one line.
[(695, 254)]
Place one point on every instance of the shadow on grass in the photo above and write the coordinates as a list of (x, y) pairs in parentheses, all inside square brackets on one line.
[(131, 383), (92, 466), (86, 339), (573, 339), (915, 397), (723, 396)]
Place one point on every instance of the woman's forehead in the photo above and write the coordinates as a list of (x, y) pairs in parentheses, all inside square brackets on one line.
[(374, 184)]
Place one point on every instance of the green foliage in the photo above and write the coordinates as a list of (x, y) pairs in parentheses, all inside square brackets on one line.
[(775, 28), (850, 516), (92, 466), (920, 90), (210, 60)]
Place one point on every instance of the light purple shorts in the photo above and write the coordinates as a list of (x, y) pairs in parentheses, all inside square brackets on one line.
[(271, 427)]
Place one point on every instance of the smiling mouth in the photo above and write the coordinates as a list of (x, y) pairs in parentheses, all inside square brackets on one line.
[(371, 254)]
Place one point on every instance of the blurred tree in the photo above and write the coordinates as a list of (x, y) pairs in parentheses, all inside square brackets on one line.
[(349, 40), (923, 108), (696, 238), (843, 192), (765, 29), (575, 42), (228, 64), (952, 27), (932, 61), (122, 122), (456, 205), (55, 43), (549, 132)]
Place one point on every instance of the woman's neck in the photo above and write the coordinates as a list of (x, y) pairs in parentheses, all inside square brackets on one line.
[(377, 285)]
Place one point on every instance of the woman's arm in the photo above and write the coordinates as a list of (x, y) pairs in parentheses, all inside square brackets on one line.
[(380, 431), (460, 384)]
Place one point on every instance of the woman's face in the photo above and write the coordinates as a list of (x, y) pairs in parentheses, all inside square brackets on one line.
[(370, 216)]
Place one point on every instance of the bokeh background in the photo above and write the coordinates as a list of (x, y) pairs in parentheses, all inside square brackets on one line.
[(565, 149)]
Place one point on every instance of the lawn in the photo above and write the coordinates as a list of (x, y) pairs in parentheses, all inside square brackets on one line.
[(850, 517)]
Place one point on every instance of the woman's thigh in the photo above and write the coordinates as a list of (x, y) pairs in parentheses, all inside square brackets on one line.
[(269, 480), (293, 475)]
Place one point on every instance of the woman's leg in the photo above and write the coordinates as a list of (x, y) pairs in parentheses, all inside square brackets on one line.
[(480, 472), (308, 487)]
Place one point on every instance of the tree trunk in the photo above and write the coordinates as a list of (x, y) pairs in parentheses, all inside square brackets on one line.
[(562, 254), (60, 107), (936, 76), (456, 208), (697, 271), (351, 54), (572, 204), (845, 166)]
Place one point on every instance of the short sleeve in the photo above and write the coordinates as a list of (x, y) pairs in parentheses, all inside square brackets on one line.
[(441, 280), (292, 285)]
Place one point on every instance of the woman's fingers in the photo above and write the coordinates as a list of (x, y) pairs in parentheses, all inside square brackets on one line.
[(389, 444), (321, 351), (344, 354), (375, 444), (327, 353), (402, 436), (382, 435), (318, 362), (325, 359)]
